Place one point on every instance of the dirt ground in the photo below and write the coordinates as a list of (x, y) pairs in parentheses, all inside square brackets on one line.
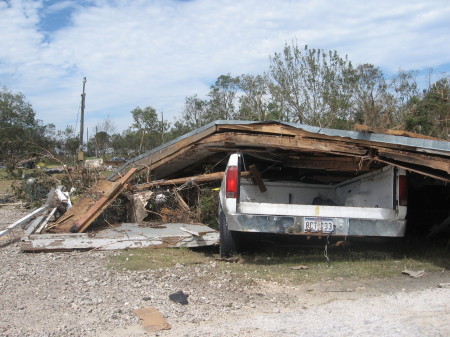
[(79, 294)]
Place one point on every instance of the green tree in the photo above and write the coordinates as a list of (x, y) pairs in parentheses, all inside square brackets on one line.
[(151, 130), (195, 112), (125, 144), (223, 97), (431, 114), (20, 133), (374, 105), (253, 102), (314, 86), (68, 143), (406, 92)]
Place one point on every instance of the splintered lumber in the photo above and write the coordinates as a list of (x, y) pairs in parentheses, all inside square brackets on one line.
[(257, 177), (36, 222), (365, 128), (338, 163), (45, 222), (416, 159), (409, 168), (91, 205)]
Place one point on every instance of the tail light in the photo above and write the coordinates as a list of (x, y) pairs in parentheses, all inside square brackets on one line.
[(402, 191), (232, 182)]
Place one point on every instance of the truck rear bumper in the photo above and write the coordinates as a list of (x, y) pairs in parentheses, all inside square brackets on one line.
[(296, 225)]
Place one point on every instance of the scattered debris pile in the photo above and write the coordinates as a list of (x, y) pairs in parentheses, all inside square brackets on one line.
[(177, 185)]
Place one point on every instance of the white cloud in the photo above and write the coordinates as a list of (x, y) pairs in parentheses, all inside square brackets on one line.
[(158, 52)]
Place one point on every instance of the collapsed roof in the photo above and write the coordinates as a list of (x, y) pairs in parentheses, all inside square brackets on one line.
[(296, 149)]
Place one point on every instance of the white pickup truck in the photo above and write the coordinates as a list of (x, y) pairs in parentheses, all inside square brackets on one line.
[(369, 204)]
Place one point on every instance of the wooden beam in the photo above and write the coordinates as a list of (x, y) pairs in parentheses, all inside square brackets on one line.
[(297, 144), (180, 181), (417, 159), (44, 224), (257, 177), (65, 222), (34, 224), (406, 167), (365, 128), (344, 164), (263, 128)]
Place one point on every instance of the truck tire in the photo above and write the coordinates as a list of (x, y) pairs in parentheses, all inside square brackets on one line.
[(228, 242)]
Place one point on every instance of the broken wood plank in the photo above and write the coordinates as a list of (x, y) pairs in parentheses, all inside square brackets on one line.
[(182, 202), (257, 177), (82, 223), (34, 224), (91, 204), (26, 219), (344, 164), (273, 129), (45, 222), (417, 159), (65, 222), (287, 143), (136, 209), (409, 168), (365, 128), (84, 241)]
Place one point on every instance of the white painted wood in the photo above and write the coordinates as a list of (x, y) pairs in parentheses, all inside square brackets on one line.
[(57, 242), (126, 236), (45, 222), (23, 221), (34, 224)]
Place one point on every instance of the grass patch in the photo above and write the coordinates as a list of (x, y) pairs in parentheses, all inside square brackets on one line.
[(151, 259), (275, 266), (361, 265)]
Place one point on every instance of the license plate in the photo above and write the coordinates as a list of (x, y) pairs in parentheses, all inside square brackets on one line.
[(324, 225)]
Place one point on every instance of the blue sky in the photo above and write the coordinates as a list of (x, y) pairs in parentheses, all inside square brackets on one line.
[(141, 53)]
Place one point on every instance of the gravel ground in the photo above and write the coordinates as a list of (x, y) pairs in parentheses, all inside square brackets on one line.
[(77, 294)]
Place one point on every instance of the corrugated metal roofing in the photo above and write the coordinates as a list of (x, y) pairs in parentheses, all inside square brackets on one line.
[(419, 145)]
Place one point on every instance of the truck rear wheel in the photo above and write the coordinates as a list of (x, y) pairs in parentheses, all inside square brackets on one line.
[(228, 240)]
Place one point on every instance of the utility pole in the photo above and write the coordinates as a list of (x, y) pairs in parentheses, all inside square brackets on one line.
[(83, 100), (162, 127)]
